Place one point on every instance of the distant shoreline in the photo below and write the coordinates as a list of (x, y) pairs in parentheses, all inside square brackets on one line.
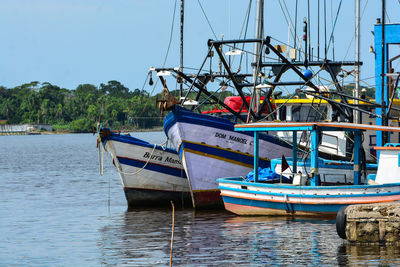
[(155, 129)]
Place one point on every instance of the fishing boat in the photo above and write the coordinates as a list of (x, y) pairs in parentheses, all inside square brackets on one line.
[(210, 148), (202, 139), (313, 199), (151, 175)]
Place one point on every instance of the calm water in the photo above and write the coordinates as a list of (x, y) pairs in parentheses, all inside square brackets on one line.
[(56, 210)]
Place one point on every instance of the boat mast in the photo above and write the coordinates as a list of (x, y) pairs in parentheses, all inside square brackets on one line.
[(384, 119), (257, 50), (181, 52), (356, 91)]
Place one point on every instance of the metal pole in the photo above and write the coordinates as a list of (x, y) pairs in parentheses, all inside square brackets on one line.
[(384, 122), (356, 91), (181, 63), (257, 49)]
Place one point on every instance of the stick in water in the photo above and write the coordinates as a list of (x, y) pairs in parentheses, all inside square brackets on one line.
[(172, 233)]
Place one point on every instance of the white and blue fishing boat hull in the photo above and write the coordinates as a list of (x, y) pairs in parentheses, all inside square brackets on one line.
[(150, 174), (210, 148), (248, 198)]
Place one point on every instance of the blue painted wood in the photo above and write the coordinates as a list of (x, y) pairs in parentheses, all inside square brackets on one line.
[(256, 140), (357, 158), (265, 129), (392, 36), (314, 157), (398, 160), (239, 181)]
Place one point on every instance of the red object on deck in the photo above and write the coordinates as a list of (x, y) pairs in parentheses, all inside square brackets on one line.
[(235, 103)]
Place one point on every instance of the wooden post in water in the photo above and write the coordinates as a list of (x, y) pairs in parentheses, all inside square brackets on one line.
[(172, 233)]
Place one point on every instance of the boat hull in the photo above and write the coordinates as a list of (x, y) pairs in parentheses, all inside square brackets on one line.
[(210, 148), (150, 175), (140, 197), (244, 198)]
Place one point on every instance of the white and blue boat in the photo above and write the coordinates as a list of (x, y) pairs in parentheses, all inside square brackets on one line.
[(313, 199), (151, 175), (210, 148)]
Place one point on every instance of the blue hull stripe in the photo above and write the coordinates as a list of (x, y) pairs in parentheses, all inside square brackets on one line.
[(289, 207), (162, 169), (183, 115), (239, 181), (137, 142), (230, 155), (305, 195)]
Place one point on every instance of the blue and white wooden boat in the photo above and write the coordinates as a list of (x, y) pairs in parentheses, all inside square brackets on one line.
[(151, 175), (210, 148), (257, 198)]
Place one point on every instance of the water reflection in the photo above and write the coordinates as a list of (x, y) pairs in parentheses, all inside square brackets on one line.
[(371, 255), (142, 237)]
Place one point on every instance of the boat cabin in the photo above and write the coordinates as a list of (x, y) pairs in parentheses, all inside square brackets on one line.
[(315, 128)]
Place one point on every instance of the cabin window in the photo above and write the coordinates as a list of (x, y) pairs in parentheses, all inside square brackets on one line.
[(309, 113), (372, 140)]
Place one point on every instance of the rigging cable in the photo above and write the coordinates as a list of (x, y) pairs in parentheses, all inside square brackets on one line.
[(245, 32), (326, 51), (165, 59), (170, 37), (318, 34), (309, 30), (334, 25), (362, 14), (289, 21), (295, 26), (209, 24)]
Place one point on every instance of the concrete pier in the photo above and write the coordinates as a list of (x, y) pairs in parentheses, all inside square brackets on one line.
[(16, 129), (370, 223)]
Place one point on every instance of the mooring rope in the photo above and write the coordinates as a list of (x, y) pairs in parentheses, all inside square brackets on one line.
[(119, 169)]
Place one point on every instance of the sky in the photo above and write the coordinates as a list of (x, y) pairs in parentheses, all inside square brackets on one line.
[(72, 42)]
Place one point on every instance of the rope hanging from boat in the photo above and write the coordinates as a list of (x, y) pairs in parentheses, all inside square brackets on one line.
[(119, 169)]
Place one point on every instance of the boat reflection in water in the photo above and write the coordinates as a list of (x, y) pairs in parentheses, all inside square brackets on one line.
[(142, 237)]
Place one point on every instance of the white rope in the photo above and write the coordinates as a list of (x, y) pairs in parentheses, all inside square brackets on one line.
[(144, 166)]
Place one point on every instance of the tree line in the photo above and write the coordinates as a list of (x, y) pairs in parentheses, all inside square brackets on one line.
[(79, 110)]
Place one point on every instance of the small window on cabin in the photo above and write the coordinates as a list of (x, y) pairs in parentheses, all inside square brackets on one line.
[(372, 140), (309, 113)]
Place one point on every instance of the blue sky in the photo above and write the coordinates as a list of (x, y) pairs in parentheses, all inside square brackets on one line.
[(71, 42)]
